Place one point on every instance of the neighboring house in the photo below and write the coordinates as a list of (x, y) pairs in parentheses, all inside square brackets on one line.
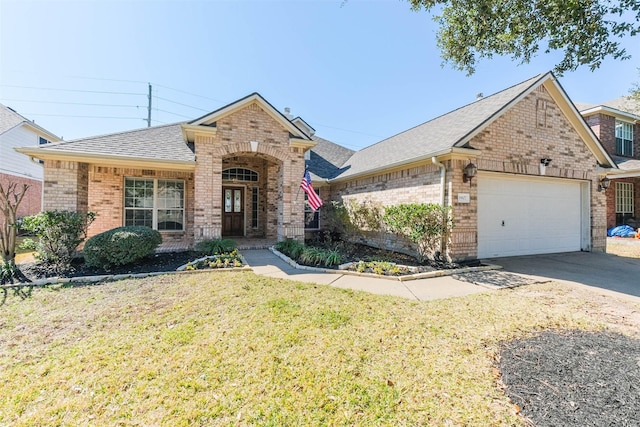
[(236, 172), (17, 131), (617, 125)]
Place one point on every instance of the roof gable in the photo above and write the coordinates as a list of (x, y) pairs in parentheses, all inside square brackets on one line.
[(454, 130), (255, 98)]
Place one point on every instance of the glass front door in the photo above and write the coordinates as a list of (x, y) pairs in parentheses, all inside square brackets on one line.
[(232, 211)]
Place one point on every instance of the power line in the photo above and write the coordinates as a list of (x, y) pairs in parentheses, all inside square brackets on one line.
[(70, 103), (175, 114), (178, 103), (82, 117), (74, 90)]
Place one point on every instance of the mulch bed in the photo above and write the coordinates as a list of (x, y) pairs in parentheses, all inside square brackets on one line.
[(169, 261), (574, 378)]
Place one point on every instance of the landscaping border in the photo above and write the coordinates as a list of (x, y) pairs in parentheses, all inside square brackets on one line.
[(403, 278)]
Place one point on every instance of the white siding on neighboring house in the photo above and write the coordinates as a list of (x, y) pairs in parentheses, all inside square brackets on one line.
[(14, 163)]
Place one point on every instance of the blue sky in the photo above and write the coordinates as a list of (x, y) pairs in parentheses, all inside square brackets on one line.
[(357, 72)]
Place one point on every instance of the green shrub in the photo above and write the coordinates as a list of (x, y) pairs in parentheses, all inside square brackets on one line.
[(312, 256), (216, 246), (426, 225), (291, 248), (120, 246), (58, 235), (332, 257)]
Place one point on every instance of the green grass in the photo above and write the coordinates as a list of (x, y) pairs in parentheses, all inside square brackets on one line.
[(242, 349)]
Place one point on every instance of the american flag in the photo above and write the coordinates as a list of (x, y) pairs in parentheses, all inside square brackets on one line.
[(314, 200)]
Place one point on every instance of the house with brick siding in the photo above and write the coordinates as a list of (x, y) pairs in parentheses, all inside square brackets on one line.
[(519, 168), (617, 124), (18, 131)]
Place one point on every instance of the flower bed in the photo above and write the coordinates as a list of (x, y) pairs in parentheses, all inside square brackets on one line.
[(226, 260)]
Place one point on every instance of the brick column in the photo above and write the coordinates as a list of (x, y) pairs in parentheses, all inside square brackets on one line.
[(207, 221), (66, 186)]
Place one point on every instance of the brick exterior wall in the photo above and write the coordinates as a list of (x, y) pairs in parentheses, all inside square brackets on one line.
[(65, 186), (514, 143), (604, 126), (99, 188), (282, 167), (32, 201)]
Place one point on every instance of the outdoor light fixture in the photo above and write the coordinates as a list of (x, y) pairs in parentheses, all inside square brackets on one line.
[(469, 172), (604, 184), (545, 161)]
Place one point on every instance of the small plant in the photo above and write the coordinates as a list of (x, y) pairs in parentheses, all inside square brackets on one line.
[(291, 248), (225, 260), (216, 246), (120, 246), (382, 268), (58, 235), (332, 257)]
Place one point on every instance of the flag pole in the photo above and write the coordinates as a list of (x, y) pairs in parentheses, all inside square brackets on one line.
[(298, 193)]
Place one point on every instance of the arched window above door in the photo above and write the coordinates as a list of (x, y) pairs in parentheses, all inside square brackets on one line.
[(239, 174)]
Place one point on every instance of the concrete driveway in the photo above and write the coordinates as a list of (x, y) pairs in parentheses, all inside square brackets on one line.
[(601, 270)]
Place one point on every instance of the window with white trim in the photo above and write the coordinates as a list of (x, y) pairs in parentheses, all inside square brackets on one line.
[(311, 217), (155, 203), (624, 201), (624, 138)]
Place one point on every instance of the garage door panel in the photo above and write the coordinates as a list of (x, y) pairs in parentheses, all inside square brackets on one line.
[(522, 216)]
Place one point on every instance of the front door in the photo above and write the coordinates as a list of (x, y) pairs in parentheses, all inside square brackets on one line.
[(233, 211)]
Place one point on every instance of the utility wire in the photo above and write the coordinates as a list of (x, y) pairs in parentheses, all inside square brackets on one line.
[(70, 103), (83, 117), (74, 90), (175, 114), (178, 103)]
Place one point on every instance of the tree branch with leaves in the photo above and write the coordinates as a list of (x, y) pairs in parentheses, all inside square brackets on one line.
[(586, 31)]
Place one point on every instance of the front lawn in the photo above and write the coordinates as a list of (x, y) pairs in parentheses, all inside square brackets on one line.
[(242, 349)]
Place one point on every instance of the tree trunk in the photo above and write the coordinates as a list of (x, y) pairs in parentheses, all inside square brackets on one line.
[(10, 199)]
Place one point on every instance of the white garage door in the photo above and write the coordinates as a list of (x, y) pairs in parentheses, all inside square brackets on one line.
[(529, 215)]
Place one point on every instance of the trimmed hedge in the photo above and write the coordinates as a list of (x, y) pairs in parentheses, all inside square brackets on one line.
[(120, 246)]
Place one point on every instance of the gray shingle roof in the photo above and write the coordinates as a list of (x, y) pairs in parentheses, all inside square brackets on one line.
[(154, 143), (326, 159), (627, 163), (9, 119), (623, 104), (441, 133)]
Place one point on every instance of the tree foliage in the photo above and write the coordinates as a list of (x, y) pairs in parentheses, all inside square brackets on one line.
[(586, 31), (634, 96), (58, 235)]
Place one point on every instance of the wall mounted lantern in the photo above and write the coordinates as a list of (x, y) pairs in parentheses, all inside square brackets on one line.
[(469, 172), (604, 184), (545, 161)]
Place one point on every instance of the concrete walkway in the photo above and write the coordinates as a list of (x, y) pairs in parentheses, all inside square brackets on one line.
[(265, 262)]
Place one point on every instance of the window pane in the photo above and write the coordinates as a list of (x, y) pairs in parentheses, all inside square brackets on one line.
[(237, 200), (138, 193), (227, 200), (170, 194), (624, 198), (254, 207), (170, 220), (139, 217)]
